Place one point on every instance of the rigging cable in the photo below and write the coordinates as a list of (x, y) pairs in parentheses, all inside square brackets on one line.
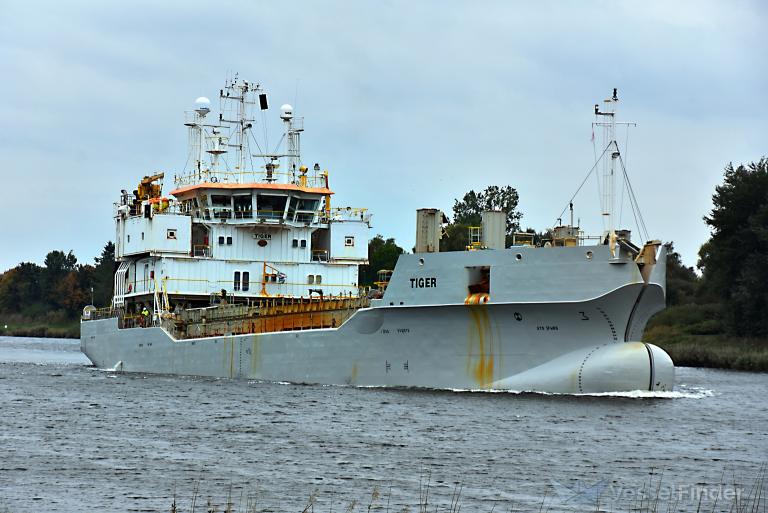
[(280, 142), (258, 146), (633, 200), (583, 182)]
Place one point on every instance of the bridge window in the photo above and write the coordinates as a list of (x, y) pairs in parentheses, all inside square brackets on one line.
[(229, 241), (318, 279), (246, 280), (295, 243), (237, 280), (311, 279), (221, 239), (243, 208), (271, 207), (303, 243), (222, 206), (218, 200)]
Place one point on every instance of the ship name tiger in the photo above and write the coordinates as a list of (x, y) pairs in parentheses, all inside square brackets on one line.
[(423, 283)]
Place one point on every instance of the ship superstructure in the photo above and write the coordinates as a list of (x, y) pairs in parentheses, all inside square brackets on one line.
[(246, 270), (240, 224)]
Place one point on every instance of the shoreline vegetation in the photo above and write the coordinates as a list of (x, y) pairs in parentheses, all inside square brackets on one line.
[(692, 335), (40, 329)]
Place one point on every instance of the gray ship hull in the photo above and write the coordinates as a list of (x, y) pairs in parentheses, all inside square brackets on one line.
[(577, 345)]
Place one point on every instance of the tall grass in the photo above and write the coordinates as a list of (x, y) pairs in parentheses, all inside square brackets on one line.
[(694, 336), (650, 497), (54, 324)]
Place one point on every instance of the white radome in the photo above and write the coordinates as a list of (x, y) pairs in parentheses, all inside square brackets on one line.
[(286, 111), (203, 102)]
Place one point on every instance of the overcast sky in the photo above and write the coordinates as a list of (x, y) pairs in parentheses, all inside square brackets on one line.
[(408, 104)]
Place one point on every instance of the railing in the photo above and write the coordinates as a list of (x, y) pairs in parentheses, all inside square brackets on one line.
[(346, 214), (243, 177), (320, 255), (93, 314), (244, 214), (201, 250), (272, 287), (269, 214), (173, 208)]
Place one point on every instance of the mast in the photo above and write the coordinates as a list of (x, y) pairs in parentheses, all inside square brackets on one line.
[(610, 162), (195, 122), (239, 117), (608, 202), (293, 129), (239, 100)]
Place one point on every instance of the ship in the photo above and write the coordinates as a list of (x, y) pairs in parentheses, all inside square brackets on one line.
[(246, 270)]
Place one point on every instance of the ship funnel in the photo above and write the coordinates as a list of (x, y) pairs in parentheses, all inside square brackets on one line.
[(494, 229), (429, 230)]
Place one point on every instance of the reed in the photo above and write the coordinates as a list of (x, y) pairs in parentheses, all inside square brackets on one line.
[(650, 497), (693, 335)]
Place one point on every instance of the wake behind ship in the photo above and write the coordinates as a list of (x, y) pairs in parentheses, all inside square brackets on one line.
[(246, 270)]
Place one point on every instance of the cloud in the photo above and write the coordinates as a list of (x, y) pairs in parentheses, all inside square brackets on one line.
[(409, 104)]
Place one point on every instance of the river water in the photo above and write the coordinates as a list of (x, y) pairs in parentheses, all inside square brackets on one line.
[(75, 438)]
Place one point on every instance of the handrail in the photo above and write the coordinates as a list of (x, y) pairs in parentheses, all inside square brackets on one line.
[(201, 250), (243, 177)]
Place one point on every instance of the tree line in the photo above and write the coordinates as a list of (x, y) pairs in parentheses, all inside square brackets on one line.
[(58, 289), (733, 263)]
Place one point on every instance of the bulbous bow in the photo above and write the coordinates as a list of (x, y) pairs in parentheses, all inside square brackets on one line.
[(615, 367)]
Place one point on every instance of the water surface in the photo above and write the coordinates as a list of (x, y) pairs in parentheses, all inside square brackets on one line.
[(75, 438)]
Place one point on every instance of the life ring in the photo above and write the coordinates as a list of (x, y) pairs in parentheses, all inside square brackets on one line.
[(130, 287)]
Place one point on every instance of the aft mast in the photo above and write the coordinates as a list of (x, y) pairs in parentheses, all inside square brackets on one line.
[(608, 199), (610, 157)]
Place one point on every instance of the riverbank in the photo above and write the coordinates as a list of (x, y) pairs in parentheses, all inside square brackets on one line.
[(693, 336), (17, 326)]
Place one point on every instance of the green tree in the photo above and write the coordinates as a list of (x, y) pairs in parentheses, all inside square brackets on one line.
[(682, 281), (468, 211), (382, 254), (57, 265), (20, 287), (455, 237), (103, 275), (735, 259)]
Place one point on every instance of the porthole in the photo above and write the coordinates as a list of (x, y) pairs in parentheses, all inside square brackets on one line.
[(589, 255), (262, 243), (518, 256), (421, 261)]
